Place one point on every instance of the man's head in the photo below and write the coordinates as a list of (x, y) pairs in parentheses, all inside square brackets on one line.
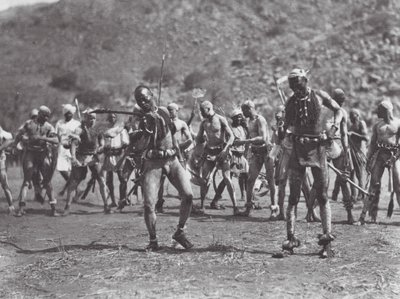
[(206, 109), (355, 115), (44, 114), (144, 98), (173, 110), (339, 96), (248, 108), (112, 118), (89, 118), (34, 114), (298, 80), (385, 108), (237, 117), (68, 111)]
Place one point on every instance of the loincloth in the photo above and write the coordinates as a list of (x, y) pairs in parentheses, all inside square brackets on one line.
[(310, 154), (239, 163)]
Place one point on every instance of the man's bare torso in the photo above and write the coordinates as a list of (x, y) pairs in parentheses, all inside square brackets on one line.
[(214, 131), (254, 126), (387, 133)]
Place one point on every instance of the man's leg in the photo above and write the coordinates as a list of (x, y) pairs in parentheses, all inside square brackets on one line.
[(124, 176), (180, 180), (218, 195), (78, 174), (160, 201), (320, 176), (255, 165), (206, 170), (100, 177), (309, 194), (151, 181), (281, 196), (336, 189), (269, 171), (110, 185), (296, 177), (242, 184), (226, 174), (6, 188), (47, 171), (396, 180), (371, 201), (339, 163), (27, 167)]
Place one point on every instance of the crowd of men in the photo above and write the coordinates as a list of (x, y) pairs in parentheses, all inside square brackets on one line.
[(311, 132)]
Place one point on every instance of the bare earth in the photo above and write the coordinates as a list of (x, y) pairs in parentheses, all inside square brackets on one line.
[(88, 254)]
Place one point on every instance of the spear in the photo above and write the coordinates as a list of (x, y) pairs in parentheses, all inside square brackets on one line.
[(339, 172), (161, 74)]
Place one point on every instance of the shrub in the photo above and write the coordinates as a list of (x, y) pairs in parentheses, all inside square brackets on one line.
[(65, 81), (195, 79), (152, 75)]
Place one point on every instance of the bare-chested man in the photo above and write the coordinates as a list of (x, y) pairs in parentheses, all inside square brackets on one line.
[(37, 136), (282, 168), (116, 140), (383, 153), (260, 145), (358, 137), (160, 157), (216, 153), (239, 163), (84, 154), (183, 138), (303, 114), (6, 140), (338, 151)]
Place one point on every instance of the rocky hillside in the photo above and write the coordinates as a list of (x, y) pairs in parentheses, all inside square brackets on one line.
[(98, 50)]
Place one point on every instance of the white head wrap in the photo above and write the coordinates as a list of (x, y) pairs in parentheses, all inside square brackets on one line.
[(297, 73), (386, 104), (173, 106), (68, 108), (236, 112), (45, 110)]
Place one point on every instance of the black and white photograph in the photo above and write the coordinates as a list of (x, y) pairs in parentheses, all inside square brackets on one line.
[(200, 149)]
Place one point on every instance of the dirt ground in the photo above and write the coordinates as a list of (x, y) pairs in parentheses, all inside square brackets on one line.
[(88, 254)]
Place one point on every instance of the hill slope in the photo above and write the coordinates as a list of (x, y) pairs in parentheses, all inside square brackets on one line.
[(101, 49)]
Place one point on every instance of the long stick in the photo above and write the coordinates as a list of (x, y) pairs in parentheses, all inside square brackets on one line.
[(78, 111), (104, 110), (161, 75), (280, 92), (347, 179)]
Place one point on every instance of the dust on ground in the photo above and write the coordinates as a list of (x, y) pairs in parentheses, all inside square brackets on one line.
[(89, 254)]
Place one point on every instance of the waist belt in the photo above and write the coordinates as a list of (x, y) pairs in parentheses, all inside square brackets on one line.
[(213, 151), (259, 150), (114, 151), (36, 149), (308, 138), (237, 153), (160, 154), (390, 147), (87, 153)]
